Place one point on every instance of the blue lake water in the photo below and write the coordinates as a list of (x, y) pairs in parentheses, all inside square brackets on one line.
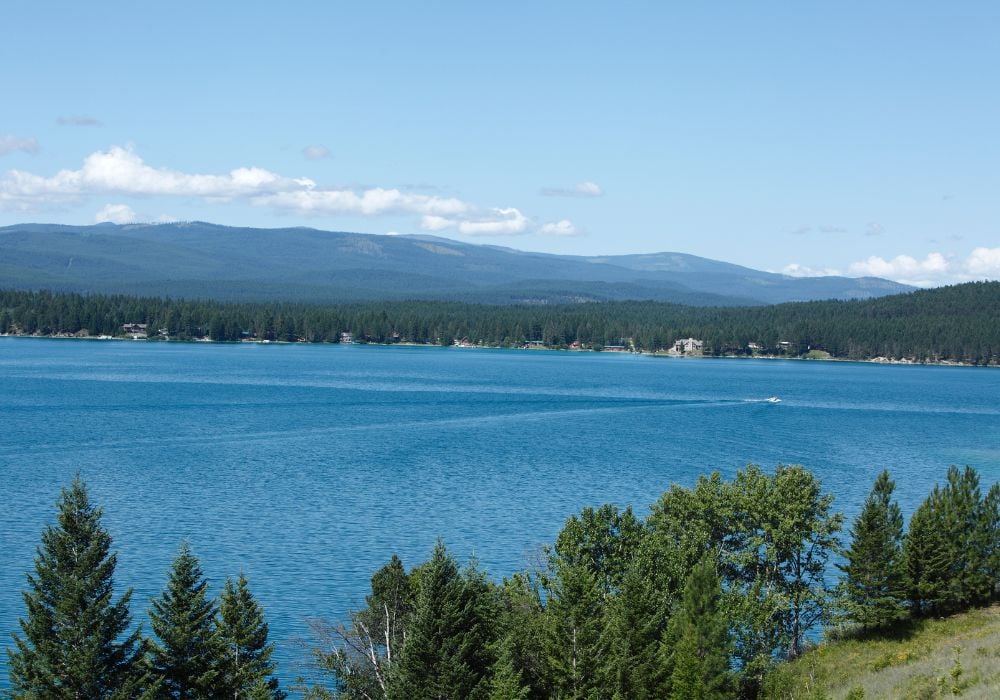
[(307, 466)]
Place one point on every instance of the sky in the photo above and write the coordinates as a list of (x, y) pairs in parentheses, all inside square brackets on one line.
[(811, 138)]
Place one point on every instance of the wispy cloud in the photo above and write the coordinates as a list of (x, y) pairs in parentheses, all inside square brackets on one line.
[(10, 144), (827, 229), (122, 172), (316, 151), (583, 189), (797, 270), (77, 120)]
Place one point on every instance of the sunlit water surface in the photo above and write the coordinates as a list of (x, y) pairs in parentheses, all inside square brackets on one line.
[(307, 466)]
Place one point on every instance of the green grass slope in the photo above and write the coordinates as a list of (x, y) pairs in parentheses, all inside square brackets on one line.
[(958, 656)]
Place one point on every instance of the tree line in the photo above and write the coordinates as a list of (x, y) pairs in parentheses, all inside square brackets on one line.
[(957, 323), (76, 641), (703, 598)]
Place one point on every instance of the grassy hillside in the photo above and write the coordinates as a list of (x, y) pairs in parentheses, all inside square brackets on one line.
[(958, 656)]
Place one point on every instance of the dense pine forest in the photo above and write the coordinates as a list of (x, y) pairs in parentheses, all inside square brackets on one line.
[(704, 598), (960, 323)]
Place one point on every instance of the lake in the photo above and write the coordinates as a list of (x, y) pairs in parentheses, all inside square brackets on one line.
[(307, 466)]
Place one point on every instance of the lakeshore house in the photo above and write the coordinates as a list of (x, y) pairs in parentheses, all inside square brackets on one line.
[(688, 346), (346, 338), (135, 331)]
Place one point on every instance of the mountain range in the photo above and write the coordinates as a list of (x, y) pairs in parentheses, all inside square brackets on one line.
[(203, 260)]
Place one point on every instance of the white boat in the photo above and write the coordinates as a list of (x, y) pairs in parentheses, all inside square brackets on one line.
[(773, 399)]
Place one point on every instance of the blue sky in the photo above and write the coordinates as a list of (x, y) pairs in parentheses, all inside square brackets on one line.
[(859, 138)]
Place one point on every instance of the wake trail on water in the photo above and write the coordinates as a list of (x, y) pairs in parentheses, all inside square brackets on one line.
[(268, 436)]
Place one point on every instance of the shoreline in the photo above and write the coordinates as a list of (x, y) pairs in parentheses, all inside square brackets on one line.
[(659, 355)]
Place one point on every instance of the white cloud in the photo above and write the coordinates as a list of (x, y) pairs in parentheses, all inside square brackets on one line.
[(797, 270), (316, 151), (116, 213), (435, 223), (122, 172), (582, 189), (499, 221), (984, 263), (564, 227), (312, 200), (9, 144), (935, 269), (77, 120)]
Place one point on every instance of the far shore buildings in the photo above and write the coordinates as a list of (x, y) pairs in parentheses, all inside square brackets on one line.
[(135, 331), (688, 346)]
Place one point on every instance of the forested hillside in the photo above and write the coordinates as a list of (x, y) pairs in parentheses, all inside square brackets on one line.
[(959, 323), (228, 263)]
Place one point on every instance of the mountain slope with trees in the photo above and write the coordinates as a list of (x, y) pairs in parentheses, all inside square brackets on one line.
[(302, 264)]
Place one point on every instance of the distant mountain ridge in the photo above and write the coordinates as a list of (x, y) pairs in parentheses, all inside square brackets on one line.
[(198, 259)]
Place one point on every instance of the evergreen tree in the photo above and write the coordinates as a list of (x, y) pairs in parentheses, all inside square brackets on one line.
[(186, 657), (927, 556), (969, 583), (245, 663), (506, 682), (631, 636), (442, 657), (698, 642), (989, 526), (75, 641), (873, 590), (574, 619)]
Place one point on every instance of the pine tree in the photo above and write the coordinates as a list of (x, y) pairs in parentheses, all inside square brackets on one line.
[(697, 644), (873, 589), (245, 663), (573, 645), (187, 654), (989, 526), (631, 637), (507, 682), (446, 635), (927, 556), (75, 640)]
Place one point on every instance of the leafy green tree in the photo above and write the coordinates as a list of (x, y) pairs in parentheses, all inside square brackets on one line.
[(873, 590), (245, 661), (74, 640), (187, 654), (787, 534), (449, 631), (697, 645)]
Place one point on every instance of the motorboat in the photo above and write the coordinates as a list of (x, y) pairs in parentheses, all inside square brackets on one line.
[(773, 399)]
